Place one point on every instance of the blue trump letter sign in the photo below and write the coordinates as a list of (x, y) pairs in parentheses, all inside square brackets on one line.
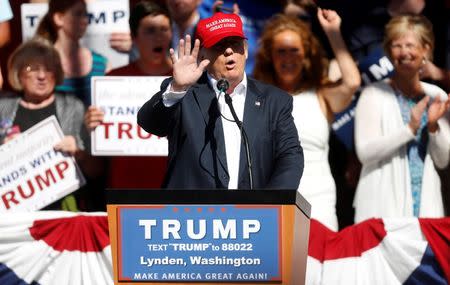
[(201, 243)]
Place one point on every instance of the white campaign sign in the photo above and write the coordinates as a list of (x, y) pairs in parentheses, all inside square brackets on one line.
[(32, 173), (105, 17), (120, 97)]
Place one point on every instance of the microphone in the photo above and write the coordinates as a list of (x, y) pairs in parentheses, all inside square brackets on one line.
[(223, 86)]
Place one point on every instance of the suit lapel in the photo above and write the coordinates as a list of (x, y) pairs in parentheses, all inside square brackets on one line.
[(206, 100), (204, 95), (253, 116)]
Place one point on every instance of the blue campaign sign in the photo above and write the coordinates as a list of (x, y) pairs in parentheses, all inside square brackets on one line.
[(374, 67), (199, 243)]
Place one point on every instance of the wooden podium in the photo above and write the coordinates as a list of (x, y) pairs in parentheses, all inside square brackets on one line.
[(291, 210)]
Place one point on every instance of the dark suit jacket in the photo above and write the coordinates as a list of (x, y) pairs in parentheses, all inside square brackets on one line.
[(197, 156)]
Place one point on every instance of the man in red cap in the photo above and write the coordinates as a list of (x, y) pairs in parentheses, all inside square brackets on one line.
[(205, 133)]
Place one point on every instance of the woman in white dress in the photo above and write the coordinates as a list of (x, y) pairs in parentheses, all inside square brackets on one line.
[(291, 58), (402, 130)]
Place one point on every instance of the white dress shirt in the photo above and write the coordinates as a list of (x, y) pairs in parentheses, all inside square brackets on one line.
[(231, 132)]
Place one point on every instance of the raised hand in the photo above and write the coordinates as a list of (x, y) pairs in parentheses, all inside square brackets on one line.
[(217, 6), (436, 111), (121, 41), (329, 20), (416, 114), (186, 69)]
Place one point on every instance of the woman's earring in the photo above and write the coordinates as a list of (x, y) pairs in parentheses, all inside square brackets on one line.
[(424, 61)]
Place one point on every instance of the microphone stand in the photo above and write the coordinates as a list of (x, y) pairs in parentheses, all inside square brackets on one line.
[(244, 137)]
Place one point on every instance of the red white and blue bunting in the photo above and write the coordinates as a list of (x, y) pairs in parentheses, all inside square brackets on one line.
[(66, 248)]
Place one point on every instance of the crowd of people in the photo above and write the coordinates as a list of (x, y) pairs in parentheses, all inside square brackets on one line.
[(401, 137)]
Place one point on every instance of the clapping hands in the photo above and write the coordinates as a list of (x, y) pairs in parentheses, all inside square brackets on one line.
[(436, 110)]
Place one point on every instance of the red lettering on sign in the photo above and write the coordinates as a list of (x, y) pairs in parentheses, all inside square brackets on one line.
[(125, 130), (9, 197), (46, 181), (61, 168), (43, 180), (142, 134), (107, 125), (30, 187)]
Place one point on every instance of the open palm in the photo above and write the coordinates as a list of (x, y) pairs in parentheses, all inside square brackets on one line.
[(437, 109), (186, 68), (416, 113)]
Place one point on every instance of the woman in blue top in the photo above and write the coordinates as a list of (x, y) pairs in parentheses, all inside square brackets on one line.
[(64, 25)]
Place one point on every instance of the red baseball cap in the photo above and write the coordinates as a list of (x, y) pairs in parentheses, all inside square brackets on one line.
[(213, 29)]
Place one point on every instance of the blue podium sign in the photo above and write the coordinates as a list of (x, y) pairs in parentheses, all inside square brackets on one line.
[(201, 243)]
